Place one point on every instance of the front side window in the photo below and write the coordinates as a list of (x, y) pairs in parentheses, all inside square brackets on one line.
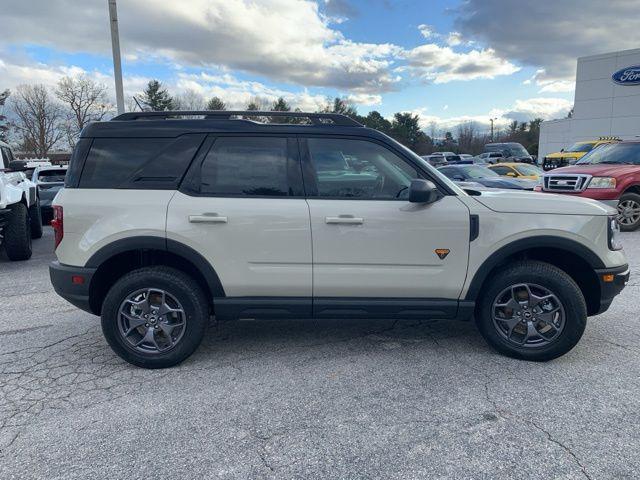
[(359, 169), (247, 166)]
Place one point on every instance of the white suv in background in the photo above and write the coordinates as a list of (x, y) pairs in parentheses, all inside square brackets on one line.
[(20, 217), (167, 218)]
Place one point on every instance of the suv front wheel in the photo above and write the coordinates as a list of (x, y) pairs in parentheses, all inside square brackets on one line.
[(155, 317), (532, 311)]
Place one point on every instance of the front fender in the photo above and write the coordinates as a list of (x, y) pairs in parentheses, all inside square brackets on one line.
[(10, 195)]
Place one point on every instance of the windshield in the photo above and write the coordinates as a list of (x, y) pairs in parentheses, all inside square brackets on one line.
[(580, 147), (528, 170), (613, 153), (517, 150), (52, 176), (428, 167), (479, 172)]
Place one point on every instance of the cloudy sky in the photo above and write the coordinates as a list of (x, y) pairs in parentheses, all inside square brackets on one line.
[(450, 61)]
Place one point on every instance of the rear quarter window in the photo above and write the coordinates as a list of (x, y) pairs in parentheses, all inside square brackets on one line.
[(138, 163)]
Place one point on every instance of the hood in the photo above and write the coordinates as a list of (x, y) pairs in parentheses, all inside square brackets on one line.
[(542, 203), (609, 170)]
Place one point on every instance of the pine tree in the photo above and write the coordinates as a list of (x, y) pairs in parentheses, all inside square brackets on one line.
[(157, 98), (216, 104), (4, 124), (280, 105)]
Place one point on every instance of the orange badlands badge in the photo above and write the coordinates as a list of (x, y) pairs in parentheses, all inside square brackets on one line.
[(442, 252)]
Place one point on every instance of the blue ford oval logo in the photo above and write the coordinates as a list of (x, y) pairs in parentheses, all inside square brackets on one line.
[(627, 76)]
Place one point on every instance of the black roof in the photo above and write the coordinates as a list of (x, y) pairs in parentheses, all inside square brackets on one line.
[(174, 123)]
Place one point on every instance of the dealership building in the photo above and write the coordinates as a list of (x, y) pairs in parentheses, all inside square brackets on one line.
[(607, 102)]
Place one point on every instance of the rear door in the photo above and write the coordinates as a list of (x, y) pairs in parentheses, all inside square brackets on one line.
[(369, 242), (242, 207)]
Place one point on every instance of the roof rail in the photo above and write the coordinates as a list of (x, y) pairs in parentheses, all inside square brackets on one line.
[(315, 118)]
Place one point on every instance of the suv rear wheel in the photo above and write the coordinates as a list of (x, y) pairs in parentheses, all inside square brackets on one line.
[(17, 233), (155, 317), (629, 212), (532, 311)]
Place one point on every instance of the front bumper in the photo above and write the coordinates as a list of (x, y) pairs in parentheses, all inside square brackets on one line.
[(612, 282), (66, 282)]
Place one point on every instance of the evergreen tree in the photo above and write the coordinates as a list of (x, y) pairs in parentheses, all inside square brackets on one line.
[(406, 129), (4, 124), (216, 104), (157, 98), (253, 106), (280, 105), (377, 121), (343, 107)]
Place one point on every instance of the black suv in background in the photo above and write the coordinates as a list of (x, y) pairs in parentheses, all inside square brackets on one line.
[(511, 152)]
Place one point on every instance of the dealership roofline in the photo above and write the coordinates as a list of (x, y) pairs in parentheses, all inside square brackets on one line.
[(621, 53)]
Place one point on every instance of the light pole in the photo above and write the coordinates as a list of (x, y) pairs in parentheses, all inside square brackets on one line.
[(492, 120), (115, 47)]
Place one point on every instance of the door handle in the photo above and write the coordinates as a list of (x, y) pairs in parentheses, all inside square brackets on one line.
[(208, 218), (344, 220)]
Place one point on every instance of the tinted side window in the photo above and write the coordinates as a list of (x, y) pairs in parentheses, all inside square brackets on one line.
[(248, 166), (347, 168), (7, 157), (139, 163)]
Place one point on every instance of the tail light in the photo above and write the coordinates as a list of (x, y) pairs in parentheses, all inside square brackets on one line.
[(58, 225)]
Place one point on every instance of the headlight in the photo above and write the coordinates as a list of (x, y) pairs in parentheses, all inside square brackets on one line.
[(614, 234), (602, 182)]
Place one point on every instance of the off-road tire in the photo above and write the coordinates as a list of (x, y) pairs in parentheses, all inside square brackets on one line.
[(178, 284), (17, 234), (35, 217), (545, 275)]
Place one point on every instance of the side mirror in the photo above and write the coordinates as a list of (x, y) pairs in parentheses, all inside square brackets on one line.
[(18, 166), (511, 174), (562, 149), (422, 191), (458, 178)]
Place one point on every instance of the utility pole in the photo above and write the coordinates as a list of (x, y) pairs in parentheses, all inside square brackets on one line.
[(492, 120), (115, 46)]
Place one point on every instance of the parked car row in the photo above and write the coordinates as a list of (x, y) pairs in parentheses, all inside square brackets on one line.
[(609, 173), (510, 152), (575, 152)]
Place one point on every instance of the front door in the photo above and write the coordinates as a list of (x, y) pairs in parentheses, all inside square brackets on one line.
[(369, 241)]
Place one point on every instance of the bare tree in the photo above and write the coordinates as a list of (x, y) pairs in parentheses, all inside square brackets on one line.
[(86, 101), (4, 124), (39, 119), (189, 100)]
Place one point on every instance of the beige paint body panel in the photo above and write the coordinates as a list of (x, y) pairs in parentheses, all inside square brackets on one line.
[(262, 249), (94, 218), (391, 253)]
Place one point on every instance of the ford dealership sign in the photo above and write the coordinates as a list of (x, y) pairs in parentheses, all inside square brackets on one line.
[(627, 76)]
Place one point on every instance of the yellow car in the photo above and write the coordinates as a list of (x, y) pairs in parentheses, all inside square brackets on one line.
[(522, 171), (574, 153)]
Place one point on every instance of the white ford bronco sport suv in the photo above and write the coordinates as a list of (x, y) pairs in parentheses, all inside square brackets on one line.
[(20, 217), (168, 218)]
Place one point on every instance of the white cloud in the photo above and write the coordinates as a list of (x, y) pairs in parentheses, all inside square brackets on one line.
[(440, 64), (286, 40), (551, 35), (427, 31), (454, 38)]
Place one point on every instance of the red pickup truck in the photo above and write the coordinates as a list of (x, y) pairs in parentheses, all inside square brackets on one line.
[(610, 174)]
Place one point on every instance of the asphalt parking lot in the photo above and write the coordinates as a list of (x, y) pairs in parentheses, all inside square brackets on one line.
[(300, 399)]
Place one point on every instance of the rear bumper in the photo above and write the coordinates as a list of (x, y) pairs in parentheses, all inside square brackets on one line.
[(610, 289), (66, 283)]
